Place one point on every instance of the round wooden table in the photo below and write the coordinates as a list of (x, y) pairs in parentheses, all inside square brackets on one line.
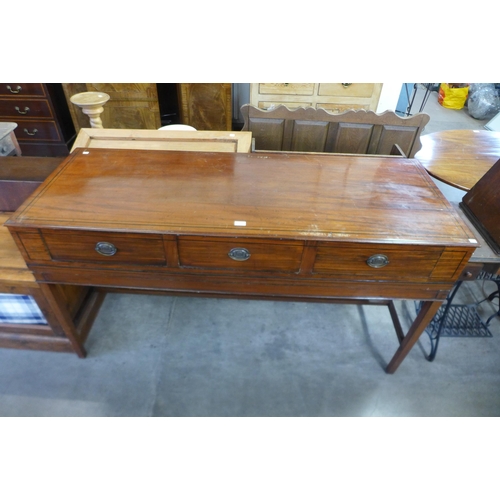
[(459, 157)]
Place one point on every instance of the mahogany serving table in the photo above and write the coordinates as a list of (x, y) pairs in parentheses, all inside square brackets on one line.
[(459, 157), (267, 226)]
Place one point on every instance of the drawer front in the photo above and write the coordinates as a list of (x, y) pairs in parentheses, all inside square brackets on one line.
[(105, 248), (239, 254), (346, 90), (380, 262), (25, 108), (334, 107), (290, 105), (22, 89), (286, 88), (35, 130)]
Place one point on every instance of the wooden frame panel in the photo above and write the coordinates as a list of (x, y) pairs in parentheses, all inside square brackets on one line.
[(355, 131), (164, 140)]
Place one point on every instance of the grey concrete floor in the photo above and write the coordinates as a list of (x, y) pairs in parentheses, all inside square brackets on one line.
[(154, 355)]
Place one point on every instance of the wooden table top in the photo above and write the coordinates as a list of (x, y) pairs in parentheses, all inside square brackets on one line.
[(459, 157), (299, 196)]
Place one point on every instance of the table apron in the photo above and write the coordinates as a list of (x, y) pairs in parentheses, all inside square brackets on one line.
[(238, 284)]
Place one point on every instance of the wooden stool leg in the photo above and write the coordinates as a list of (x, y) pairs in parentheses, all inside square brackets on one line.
[(60, 319), (16, 144)]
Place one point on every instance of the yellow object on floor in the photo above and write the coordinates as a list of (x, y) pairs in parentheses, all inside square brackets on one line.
[(452, 97)]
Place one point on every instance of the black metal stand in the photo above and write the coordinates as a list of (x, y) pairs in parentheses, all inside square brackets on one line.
[(460, 320), (428, 89)]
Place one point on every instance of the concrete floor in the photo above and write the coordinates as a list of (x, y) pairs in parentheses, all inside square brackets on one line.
[(178, 356)]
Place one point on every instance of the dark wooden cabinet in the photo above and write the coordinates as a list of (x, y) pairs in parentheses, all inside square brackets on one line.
[(41, 112), (482, 205)]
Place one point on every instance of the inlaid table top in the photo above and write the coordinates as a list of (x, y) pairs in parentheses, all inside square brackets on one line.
[(459, 157)]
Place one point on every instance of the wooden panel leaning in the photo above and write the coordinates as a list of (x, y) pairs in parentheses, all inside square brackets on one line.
[(164, 140), (19, 177), (318, 131)]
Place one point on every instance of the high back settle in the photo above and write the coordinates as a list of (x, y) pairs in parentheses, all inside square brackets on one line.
[(318, 131)]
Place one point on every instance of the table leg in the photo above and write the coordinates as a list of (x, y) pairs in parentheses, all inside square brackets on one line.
[(427, 312), (63, 323)]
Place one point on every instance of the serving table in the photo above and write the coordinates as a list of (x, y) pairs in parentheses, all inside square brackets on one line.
[(267, 226)]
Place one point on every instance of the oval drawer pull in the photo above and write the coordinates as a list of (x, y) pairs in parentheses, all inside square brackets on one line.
[(105, 248), (18, 89), (31, 133), (345, 85), (26, 109), (378, 260), (239, 254)]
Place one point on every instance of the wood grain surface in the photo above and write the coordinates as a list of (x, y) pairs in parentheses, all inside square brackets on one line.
[(459, 157)]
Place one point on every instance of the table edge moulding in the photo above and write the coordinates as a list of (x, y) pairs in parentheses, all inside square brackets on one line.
[(266, 226)]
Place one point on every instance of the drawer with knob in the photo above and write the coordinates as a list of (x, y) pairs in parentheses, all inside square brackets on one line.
[(287, 88), (384, 262), (346, 89), (240, 253), (105, 248), (22, 89), (16, 109), (35, 130)]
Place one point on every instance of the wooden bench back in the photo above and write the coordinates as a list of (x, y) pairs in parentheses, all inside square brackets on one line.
[(317, 130)]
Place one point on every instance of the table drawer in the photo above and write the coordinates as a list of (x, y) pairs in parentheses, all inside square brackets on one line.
[(22, 89), (397, 262), (27, 108), (240, 253), (105, 248), (34, 130)]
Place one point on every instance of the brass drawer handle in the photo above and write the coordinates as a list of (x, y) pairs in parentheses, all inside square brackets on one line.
[(378, 260), (26, 109), (31, 133), (18, 89), (345, 85), (105, 248), (239, 254)]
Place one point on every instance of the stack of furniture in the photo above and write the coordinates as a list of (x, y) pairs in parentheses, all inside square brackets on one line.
[(334, 97), (44, 122)]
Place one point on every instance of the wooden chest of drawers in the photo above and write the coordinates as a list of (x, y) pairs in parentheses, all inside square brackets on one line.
[(44, 122), (300, 226), (334, 97)]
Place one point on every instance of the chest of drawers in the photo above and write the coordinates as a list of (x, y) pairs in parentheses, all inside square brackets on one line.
[(300, 226), (44, 122), (334, 97)]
